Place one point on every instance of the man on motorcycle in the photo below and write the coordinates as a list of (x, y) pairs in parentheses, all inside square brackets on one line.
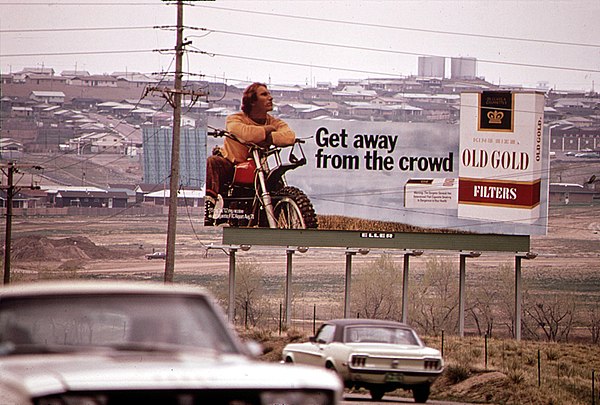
[(253, 124)]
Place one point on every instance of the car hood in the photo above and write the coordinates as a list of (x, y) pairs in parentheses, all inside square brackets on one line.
[(52, 374)]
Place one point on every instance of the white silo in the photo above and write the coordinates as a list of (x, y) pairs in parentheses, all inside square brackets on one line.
[(463, 68), (432, 66)]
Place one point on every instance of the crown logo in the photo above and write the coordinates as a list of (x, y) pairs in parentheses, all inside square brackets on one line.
[(495, 117)]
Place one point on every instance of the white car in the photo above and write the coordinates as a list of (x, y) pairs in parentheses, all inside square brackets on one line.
[(380, 356), (136, 343)]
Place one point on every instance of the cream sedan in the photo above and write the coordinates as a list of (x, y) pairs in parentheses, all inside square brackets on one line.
[(115, 343), (380, 356)]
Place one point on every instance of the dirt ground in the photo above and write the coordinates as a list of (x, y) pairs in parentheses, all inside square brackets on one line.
[(568, 256)]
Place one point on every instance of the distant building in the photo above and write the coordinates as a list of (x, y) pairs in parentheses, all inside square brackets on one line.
[(432, 66), (48, 97), (157, 142), (463, 68), (189, 198), (567, 193)]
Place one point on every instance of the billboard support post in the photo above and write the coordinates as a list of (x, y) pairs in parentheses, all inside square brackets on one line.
[(230, 251), (288, 282), (461, 290), (405, 283), (348, 281), (518, 290)]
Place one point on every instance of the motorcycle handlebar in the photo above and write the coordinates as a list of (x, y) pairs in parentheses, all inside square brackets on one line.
[(217, 133)]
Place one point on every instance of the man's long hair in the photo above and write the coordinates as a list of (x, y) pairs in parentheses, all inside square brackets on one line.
[(250, 96)]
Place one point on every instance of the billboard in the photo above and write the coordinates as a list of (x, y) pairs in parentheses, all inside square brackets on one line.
[(501, 165), (402, 176)]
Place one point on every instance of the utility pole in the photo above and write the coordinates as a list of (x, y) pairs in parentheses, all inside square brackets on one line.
[(174, 184), (9, 170), (174, 96)]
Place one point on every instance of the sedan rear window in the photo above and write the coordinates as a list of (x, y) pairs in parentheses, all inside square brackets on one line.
[(377, 334)]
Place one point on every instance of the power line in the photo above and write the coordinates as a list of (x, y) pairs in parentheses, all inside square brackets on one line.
[(361, 48), (312, 65), (78, 53), (411, 29), (272, 14), (74, 29)]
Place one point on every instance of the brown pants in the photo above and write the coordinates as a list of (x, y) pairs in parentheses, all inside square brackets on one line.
[(219, 172)]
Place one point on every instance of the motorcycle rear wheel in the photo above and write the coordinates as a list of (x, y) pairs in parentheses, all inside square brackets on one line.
[(293, 209)]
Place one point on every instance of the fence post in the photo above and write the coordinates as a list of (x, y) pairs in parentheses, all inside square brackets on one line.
[(486, 351), (593, 387), (280, 313), (442, 343), (314, 319), (539, 370)]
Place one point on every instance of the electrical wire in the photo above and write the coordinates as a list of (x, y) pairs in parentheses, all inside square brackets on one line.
[(393, 27), (396, 52)]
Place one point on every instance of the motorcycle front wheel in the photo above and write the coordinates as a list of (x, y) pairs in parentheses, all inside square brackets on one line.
[(293, 209)]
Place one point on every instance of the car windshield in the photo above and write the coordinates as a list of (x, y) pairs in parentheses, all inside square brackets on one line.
[(379, 334), (126, 321)]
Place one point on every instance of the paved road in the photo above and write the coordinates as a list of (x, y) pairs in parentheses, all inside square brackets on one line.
[(357, 399)]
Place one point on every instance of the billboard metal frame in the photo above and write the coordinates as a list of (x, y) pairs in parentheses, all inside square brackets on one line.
[(374, 240)]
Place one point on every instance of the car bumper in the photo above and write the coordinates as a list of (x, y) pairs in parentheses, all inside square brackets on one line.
[(393, 376)]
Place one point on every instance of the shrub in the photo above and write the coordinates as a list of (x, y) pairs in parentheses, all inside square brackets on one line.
[(457, 373)]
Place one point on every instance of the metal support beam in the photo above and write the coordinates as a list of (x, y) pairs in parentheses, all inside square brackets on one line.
[(462, 289), (288, 287), (348, 283), (349, 254), (461, 296), (231, 252), (231, 298), (518, 298), (288, 282), (405, 289), (519, 291), (407, 255)]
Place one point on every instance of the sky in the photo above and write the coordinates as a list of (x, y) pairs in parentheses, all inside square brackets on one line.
[(522, 42)]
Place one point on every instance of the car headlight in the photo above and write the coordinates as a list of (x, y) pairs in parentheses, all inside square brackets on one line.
[(296, 398)]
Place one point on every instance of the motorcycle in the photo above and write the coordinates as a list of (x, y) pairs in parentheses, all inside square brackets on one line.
[(258, 195)]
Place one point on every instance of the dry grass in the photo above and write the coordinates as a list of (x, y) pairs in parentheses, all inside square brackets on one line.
[(511, 375), (338, 222)]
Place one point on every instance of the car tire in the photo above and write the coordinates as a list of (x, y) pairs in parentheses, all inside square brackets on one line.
[(421, 393), (289, 360), (377, 393)]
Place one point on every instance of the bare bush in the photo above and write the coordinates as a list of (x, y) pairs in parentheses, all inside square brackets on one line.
[(553, 315), (434, 302), (593, 322), (493, 304), (377, 289), (251, 306)]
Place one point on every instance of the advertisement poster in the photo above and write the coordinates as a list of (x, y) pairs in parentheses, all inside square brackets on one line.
[(501, 166), (379, 176)]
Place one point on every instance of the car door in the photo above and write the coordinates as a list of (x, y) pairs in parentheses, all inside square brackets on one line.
[(319, 344)]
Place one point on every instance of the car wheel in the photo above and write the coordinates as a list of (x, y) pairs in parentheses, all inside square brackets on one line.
[(421, 393), (377, 393), (329, 366), (288, 360)]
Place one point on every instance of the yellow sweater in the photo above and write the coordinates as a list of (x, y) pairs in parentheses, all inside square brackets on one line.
[(247, 130)]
